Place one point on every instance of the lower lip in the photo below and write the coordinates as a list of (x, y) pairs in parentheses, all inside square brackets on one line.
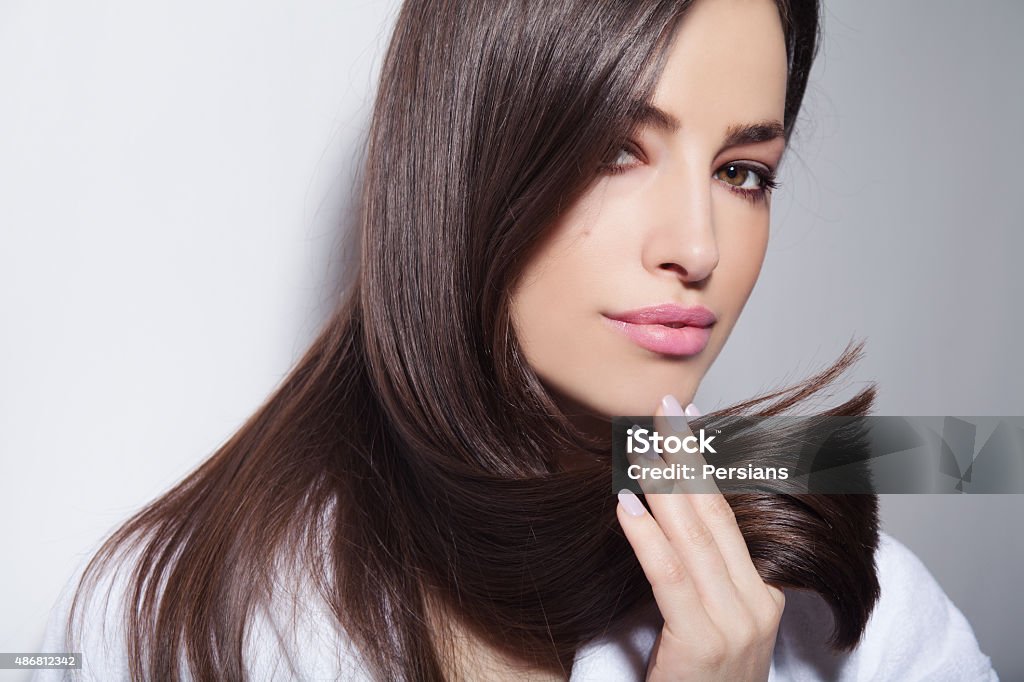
[(666, 340)]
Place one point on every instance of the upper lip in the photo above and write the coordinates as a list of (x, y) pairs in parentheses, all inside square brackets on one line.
[(668, 314)]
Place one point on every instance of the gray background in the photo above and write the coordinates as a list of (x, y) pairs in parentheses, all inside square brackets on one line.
[(173, 178)]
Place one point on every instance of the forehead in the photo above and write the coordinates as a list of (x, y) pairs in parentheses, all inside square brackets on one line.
[(726, 64)]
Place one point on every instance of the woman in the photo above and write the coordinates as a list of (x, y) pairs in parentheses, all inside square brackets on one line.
[(425, 496)]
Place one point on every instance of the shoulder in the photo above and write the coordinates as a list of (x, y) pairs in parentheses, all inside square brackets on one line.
[(914, 632), (296, 635), (293, 635), (96, 631)]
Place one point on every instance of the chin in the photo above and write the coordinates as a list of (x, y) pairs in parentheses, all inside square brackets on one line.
[(628, 388), (606, 402)]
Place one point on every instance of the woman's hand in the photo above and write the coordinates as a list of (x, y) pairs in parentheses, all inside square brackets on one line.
[(721, 618)]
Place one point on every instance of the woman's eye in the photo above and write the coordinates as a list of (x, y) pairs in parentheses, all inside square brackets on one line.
[(739, 176), (625, 159)]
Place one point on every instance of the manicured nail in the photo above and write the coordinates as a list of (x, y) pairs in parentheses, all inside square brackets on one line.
[(673, 411), (631, 503), (692, 411)]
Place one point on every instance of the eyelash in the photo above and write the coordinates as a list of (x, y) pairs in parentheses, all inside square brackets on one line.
[(754, 196)]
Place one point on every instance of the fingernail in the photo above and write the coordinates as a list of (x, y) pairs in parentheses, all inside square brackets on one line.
[(630, 502), (692, 411), (673, 412)]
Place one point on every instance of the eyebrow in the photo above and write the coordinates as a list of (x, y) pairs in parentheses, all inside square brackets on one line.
[(735, 135), (749, 133), (650, 115)]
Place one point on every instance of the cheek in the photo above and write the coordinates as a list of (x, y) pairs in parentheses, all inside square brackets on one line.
[(742, 240), (561, 287), (550, 306), (557, 304), (582, 270), (742, 236)]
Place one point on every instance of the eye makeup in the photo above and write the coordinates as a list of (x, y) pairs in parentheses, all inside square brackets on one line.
[(766, 179)]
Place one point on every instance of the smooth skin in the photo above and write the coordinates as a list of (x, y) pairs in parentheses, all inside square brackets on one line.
[(671, 227)]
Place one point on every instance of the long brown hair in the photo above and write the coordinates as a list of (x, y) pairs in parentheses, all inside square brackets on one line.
[(411, 455)]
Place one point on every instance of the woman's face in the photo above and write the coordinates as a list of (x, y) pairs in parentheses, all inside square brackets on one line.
[(683, 223)]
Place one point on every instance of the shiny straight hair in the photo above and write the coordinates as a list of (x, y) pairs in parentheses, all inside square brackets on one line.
[(408, 463)]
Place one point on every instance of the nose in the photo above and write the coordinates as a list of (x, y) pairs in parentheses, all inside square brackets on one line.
[(681, 240)]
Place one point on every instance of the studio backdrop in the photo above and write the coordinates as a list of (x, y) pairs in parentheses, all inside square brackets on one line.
[(177, 186)]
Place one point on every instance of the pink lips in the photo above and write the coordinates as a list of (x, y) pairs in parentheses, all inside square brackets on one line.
[(669, 328)]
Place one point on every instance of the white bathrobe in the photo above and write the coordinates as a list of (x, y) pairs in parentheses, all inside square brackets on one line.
[(915, 633)]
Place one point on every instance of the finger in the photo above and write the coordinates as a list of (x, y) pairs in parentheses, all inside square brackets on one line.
[(715, 510), (672, 583), (647, 468), (720, 518), (671, 423), (695, 545), (692, 535)]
